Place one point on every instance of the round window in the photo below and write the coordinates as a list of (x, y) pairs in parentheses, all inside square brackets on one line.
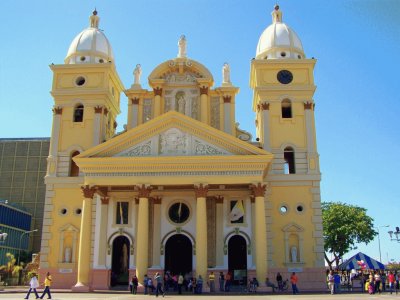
[(299, 208), (78, 211), (283, 209), (101, 60), (179, 212), (283, 54), (80, 81), (83, 58), (63, 211)]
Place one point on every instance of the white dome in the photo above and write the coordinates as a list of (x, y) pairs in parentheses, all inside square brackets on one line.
[(279, 41), (90, 46)]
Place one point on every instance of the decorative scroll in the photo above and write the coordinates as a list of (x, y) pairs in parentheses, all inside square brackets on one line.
[(204, 149)]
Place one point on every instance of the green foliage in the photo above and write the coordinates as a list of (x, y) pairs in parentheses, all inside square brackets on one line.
[(393, 266), (344, 226)]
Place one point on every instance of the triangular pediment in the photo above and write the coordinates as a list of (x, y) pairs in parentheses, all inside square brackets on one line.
[(174, 148), (173, 134)]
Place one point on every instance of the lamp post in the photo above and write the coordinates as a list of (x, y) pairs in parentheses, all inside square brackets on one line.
[(20, 240), (379, 241), (3, 236), (396, 234)]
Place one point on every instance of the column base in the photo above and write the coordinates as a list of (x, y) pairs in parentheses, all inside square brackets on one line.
[(80, 288)]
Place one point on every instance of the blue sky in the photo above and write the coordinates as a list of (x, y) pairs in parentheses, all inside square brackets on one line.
[(356, 44)]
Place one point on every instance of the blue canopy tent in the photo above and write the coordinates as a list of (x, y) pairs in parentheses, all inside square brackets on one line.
[(361, 261)]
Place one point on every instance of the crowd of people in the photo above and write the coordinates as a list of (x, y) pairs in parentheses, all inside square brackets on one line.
[(191, 284), (372, 281)]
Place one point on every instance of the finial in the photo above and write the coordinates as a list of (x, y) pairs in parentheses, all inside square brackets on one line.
[(276, 14), (182, 46), (94, 19)]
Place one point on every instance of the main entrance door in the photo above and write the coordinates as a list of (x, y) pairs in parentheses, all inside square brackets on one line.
[(120, 261), (178, 254), (237, 259)]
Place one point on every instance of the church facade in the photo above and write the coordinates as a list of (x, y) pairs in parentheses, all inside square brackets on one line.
[(182, 189)]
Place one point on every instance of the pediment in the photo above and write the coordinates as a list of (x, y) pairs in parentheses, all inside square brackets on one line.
[(173, 134), (174, 148), (173, 142)]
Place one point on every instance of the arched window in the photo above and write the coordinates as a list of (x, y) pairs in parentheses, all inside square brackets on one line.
[(74, 169), (288, 156), (78, 113), (286, 109)]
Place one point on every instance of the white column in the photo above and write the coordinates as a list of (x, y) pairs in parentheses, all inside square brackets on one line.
[(55, 134), (100, 240), (133, 112), (312, 155), (97, 125), (227, 114), (266, 130), (220, 231), (204, 104), (157, 232), (201, 231)]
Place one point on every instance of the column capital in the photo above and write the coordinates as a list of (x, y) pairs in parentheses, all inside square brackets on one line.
[(309, 105), (157, 91), (105, 200), (258, 190), (57, 110), (105, 111), (135, 100), (98, 109), (219, 199), (88, 192), (157, 200), (203, 90), (144, 191), (265, 106), (201, 190), (227, 98)]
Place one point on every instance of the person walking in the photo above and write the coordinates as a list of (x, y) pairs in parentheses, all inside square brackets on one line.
[(294, 279), (331, 282), (145, 284), (135, 284), (159, 280), (47, 284), (34, 284), (221, 281), (279, 280), (211, 282), (227, 281), (180, 283), (392, 281)]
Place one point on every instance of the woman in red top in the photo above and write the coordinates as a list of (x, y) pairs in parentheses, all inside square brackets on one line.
[(293, 280)]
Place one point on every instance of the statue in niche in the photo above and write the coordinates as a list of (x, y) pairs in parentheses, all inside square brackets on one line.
[(226, 73), (181, 102), (293, 253), (136, 74), (182, 46), (67, 255)]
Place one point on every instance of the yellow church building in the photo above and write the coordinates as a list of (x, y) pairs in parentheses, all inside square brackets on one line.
[(182, 189)]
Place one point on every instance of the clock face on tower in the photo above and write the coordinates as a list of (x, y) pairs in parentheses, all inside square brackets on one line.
[(284, 76), (179, 212)]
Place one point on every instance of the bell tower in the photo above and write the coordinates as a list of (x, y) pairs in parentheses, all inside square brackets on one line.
[(283, 82), (282, 79), (86, 91)]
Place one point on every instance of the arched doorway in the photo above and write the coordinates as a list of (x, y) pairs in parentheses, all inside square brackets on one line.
[(120, 261), (237, 259), (178, 254)]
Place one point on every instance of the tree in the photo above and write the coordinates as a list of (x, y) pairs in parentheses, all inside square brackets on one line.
[(344, 226)]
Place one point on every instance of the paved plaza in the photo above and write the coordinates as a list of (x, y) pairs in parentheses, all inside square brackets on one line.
[(5, 295)]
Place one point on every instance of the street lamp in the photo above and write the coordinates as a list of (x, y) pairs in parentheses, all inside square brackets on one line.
[(379, 241), (3, 236), (396, 233), (20, 240)]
